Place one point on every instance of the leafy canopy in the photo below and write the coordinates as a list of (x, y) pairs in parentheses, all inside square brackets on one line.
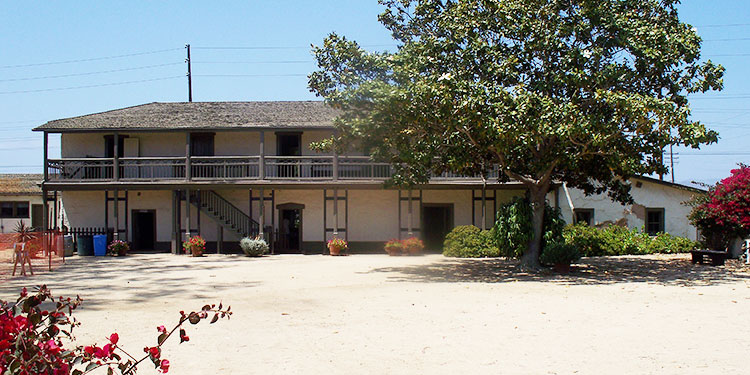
[(588, 92)]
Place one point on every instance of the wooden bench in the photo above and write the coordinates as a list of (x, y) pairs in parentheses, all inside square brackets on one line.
[(717, 257)]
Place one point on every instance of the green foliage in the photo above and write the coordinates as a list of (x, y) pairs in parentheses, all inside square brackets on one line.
[(559, 253), (254, 247), (468, 241), (513, 229), (587, 92), (616, 240)]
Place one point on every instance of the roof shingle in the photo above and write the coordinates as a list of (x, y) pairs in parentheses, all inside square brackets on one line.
[(202, 115), (20, 184)]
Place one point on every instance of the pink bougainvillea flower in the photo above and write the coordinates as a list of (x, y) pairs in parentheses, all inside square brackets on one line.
[(154, 352), (161, 329), (114, 338), (164, 366)]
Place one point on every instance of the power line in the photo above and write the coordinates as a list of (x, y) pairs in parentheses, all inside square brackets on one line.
[(90, 59), (255, 62), (724, 25), (90, 86), (251, 75), (726, 40), (279, 47), (90, 73)]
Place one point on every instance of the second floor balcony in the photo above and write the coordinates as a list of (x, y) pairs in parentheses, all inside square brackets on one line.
[(226, 168)]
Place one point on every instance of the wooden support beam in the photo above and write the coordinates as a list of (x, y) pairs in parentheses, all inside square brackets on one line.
[(188, 163), (116, 235), (262, 156), (46, 157), (261, 217), (187, 214), (116, 158)]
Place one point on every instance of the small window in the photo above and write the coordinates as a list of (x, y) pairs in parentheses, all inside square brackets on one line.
[(654, 221), (583, 215), (14, 210)]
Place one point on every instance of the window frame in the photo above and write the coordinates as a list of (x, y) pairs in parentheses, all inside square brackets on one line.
[(662, 224), (584, 210), (14, 210)]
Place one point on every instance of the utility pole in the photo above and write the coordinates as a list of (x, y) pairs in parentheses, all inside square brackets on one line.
[(189, 75)]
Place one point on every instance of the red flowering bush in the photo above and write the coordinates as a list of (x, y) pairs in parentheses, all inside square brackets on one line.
[(724, 212), (31, 338)]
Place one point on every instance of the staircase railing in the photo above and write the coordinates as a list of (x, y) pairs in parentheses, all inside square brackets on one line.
[(227, 214)]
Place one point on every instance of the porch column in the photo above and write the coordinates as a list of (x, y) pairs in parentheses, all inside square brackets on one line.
[(187, 214), (484, 208), (116, 156), (408, 227), (116, 235), (46, 157), (220, 240), (335, 212), (175, 231), (335, 164), (55, 210), (188, 167), (261, 213), (45, 224), (106, 213), (262, 157), (198, 211)]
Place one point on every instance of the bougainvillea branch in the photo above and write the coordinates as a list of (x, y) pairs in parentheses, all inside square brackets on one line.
[(31, 338)]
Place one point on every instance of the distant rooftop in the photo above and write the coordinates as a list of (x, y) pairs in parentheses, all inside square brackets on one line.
[(202, 116), (20, 184)]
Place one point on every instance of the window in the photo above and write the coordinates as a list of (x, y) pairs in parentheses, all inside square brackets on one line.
[(14, 210), (654, 221), (109, 146), (583, 215)]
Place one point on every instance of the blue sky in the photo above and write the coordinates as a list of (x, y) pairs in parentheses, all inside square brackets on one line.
[(39, 83)]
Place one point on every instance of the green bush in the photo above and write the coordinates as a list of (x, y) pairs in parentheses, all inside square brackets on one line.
[(513, 227), (616, 240), (468, 241), (559, 253)]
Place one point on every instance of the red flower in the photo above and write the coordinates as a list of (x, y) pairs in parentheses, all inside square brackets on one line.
[(154, 352), (164, 366), (114, 338), (161, 329), (88, 350)]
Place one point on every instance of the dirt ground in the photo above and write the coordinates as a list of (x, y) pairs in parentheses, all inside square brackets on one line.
[(374, 314)]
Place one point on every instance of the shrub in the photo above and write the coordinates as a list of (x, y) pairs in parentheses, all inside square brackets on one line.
[(253, 247), (513, 227), (118, 248), (468, 241), (559, 253), (724, 212), (616, 240), (412, 246)]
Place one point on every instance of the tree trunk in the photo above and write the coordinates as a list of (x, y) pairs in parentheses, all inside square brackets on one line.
[(530, 258)]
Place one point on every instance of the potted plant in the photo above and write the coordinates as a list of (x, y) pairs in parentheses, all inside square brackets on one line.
[(118, 248), (195, 246), (254, 247), (337, 246), (413, 246), (560, 256), (24, 233), (394, 247)]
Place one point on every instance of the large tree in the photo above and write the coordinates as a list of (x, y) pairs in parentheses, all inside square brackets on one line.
[(586, 92)]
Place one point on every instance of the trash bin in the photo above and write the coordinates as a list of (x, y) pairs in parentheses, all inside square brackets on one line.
[(68, 245), (59, 245), (85, 245), (100, 245)]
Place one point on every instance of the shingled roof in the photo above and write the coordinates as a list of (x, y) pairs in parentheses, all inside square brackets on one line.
[(202, 116), (20, 184)]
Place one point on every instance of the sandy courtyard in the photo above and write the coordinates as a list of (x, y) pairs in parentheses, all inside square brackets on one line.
[(373, 314)]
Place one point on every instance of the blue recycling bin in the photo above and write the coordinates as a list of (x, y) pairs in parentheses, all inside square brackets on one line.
[(85, 245), (100, 245)]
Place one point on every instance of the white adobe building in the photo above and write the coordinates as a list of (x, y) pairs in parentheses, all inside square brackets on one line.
[(247, 169)]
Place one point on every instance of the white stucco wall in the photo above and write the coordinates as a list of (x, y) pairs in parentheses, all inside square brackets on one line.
[(649, 195), (8, 225)]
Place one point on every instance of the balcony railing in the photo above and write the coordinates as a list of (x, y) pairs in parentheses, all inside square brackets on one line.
[(203, 168)]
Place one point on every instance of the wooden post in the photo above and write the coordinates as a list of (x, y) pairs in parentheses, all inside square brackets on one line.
[(262, 157), (220, 240), (484, 207), (272, 237), (261, 213), (106, 213), (175, 231), (198, 211), (46, 157), (335, 212), (409, 229), (335, 164), (399, 214), (188, 167), (187, 214), (45, 219), (126, 217), (116, 157), (55, 210), (116, 235)]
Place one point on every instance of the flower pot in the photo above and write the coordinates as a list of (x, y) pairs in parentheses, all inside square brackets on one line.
[(393, 252), (334, 250), (196, 251), (122, 252), (562, 268)]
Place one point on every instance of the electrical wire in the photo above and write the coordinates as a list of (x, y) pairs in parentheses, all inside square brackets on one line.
[(255, 62), (90, 73), (90, 86), (251, 75), (90, 59), (277, 47)]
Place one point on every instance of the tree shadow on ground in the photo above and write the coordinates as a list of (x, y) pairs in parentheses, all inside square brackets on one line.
[(665, 270), (107, 277)]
